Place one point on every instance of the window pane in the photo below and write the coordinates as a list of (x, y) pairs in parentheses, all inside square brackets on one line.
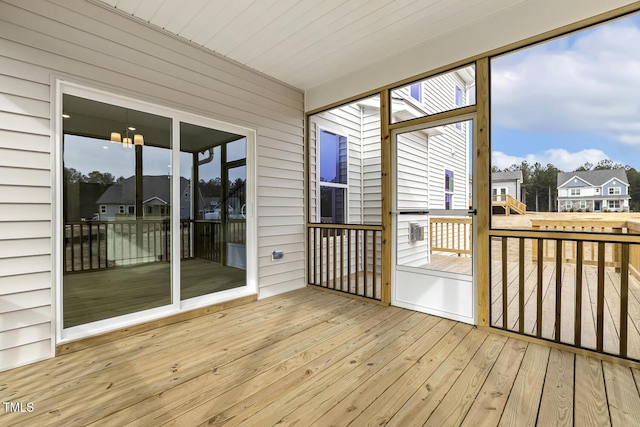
[(344, 150), (237, 150), (117, 216), (437, 94), (416, 91), (333, 157), (332, 205), (564, 132)]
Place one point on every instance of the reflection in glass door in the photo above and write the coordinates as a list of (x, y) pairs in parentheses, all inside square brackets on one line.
[(116, 211), (213, 230), (433, 227)]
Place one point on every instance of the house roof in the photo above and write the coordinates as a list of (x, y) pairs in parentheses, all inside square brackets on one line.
[(596, 178), (506, 176), (153, 186)]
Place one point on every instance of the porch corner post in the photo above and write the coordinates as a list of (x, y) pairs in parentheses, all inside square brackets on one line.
[(483, 256), (385, 147)]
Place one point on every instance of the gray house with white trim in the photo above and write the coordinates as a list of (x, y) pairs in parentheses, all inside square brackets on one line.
[(593, 191)]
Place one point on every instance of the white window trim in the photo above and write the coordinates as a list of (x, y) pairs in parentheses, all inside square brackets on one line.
[(121, 209), (319, 184), (616, 191), (59, 86), (571, 192), (103, 209)]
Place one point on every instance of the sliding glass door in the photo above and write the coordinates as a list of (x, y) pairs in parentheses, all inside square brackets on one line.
[(154, 212)]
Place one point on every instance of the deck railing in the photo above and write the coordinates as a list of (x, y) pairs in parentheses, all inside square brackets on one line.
[(345, 258), (508, 202), (450, 235), (580, 301), (94, 245), (569, 249)]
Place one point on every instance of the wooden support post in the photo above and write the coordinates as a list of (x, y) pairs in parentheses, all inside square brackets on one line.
[(385, 147), (624, 299), (139, 199), (534, 248), (483, 204), (617, 251)]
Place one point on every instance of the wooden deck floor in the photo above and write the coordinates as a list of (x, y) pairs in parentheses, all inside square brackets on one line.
[(101, 294), (311, 358)]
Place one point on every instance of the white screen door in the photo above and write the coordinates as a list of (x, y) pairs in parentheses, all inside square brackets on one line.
[(434, 220)]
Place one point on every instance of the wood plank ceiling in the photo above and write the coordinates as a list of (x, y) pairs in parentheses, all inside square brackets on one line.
[(307, 42)]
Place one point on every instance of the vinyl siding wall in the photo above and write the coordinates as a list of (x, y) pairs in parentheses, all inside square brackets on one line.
[(89, 44)]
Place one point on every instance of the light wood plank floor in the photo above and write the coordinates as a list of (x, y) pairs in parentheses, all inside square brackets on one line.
[(90, 296), (310, 358)]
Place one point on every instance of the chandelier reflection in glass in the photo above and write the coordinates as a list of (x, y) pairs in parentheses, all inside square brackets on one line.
[(127, 142)]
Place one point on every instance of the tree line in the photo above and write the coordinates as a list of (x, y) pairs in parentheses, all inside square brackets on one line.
[(540, 184)]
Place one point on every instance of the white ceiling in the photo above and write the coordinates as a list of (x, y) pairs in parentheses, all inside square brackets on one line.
[(307, 42)]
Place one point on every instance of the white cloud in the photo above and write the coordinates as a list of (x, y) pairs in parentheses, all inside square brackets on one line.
[(591, 86), (559, 157)]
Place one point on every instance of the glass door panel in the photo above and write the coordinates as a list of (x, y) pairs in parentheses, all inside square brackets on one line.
[(206, 209), (116, 211)]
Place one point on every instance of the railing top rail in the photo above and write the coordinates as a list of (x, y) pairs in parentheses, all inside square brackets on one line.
[(371, 227), (450, 220), (591, 222), (566, 235)]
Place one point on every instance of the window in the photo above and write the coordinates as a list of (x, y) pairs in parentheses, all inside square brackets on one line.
[(131, 210), (597, 191), (333, 183), (439, 94), (448, 189), (583, 204), (574, 192), (186, 196), (614, 204), (459, 103), (415, 90), (448, 180), (614, 190), (103, 209), (121, 209)]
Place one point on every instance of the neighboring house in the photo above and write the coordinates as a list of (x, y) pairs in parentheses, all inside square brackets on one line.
[(349, 149), (593, 191), (509, 183), (119, 201)]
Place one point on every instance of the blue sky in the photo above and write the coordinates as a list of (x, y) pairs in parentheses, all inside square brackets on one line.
[(571, 100)]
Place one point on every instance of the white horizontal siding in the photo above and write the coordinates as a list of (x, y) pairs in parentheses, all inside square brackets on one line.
[(76, 39)]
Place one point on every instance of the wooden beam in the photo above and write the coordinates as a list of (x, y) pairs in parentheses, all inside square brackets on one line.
[(434, 117), (386, 239), (578, 310), (505, 284), (483, 202), (600, 299), (624, 299)]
